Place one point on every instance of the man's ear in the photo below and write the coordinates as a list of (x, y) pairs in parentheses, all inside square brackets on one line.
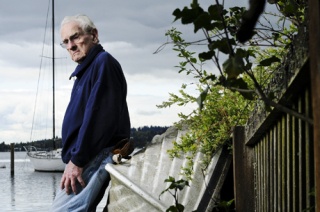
[(95, 35)]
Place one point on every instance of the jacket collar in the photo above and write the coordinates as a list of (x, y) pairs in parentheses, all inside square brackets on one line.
[(87, 61)]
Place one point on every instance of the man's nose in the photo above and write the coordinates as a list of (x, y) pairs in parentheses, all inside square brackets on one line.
[(71, 46)]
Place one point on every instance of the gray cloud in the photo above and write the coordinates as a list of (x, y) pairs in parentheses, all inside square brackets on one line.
[(130, 30)]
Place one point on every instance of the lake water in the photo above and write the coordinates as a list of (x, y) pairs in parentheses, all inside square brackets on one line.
[(28, 190)]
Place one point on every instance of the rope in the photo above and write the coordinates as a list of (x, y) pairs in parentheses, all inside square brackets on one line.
[(43, 44)]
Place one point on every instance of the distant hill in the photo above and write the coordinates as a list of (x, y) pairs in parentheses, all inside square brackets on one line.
[(141, 137)]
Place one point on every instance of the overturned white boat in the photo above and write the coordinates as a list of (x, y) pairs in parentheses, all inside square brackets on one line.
[(138, 184)]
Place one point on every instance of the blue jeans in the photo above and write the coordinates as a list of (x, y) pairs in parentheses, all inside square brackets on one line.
[(97, 180)]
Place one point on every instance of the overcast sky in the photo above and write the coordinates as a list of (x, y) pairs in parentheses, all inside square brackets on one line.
[(130, 30)]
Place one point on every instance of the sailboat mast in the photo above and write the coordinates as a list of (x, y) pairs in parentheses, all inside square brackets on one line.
[(53, 81)]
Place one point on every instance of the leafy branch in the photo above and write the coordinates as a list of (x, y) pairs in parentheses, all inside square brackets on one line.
[(175, 186), (223, 24), (228, 93)]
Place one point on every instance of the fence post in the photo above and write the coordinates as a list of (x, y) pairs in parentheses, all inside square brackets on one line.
[(314, 47), (243, 172)]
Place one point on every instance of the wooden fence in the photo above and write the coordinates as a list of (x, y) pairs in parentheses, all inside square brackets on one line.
[(275, 170), (276, 155)]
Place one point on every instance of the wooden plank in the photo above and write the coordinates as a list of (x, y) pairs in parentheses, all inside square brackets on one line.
[(289, 153), (295, 165), (269, 171), (279, 167), (275, 173), (308, 174), (243, 158), (271, 148), (314, 48), (301, 141), (283, 164), (264, 175), (257, 177), (258, 182)]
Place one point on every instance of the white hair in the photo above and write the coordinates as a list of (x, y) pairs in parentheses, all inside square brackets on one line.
[(84, 22)]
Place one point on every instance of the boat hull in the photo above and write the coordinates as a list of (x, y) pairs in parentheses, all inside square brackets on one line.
[(47, 164), (46, 161)]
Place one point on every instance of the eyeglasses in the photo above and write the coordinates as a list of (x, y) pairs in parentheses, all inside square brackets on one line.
[(73, 38)]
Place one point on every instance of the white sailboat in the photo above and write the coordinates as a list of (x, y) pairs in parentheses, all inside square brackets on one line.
[(48, 161), (45, 161)]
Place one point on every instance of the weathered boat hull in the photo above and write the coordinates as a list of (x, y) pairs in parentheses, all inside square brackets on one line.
[(136, 185)]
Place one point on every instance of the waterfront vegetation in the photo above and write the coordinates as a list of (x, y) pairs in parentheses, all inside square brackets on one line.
[(240, 79)]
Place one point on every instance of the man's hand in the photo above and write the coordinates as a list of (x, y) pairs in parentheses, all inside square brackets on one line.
[(71, 175)]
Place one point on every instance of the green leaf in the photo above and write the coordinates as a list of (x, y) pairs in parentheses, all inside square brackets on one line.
[(203, 21), (269, 61), (180, 207), (211, 77), (172, 208), (245, 53), (180, 184), (207, 55), (193, 60), (190, 15), (288, 9), (216, 11), (170, 179), (275, 36), (222, 45), (242, 53), (202, 97), (248, 66), (271, 95), (218, 25), (177, 14), (194, 4), (240, 83), (233, 66)]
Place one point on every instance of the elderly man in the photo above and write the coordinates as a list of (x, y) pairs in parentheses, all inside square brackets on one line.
[(96, 118)]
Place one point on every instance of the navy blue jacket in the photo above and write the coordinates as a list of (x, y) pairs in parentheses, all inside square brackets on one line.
[(97, 115)]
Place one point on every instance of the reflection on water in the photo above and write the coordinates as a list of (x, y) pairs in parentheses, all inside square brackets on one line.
[(28, 190), (54, 187), (12, 191)]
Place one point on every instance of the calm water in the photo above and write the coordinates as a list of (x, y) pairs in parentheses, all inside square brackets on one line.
[(27, 190)]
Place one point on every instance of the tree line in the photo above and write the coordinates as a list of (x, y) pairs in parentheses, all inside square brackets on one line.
[(140, 135)]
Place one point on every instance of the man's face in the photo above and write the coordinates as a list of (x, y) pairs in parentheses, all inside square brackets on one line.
[(78, 43)]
